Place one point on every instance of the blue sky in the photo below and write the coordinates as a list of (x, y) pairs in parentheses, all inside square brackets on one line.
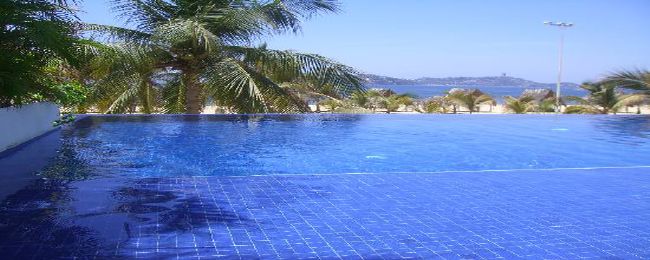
[(418, 38)]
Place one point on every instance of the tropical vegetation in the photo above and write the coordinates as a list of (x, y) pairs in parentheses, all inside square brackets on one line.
[(39, 50), (532, 100), (436, 104), (471, 99), (186, 54), (519, 105), (397, 101), (174, 57), (637, 81), (373, 100), (603, 98)]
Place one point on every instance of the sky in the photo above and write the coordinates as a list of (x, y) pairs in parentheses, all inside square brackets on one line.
[(446, 38)]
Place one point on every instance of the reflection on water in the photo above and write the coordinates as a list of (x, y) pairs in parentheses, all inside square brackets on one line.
[(623, 127), (17, 166), (67, 164), (36, 219)]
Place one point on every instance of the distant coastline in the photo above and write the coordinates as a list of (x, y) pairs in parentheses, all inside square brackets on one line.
[(497, 92), (497, 81)]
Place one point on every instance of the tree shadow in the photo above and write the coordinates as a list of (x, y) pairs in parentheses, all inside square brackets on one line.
[(173, 211), (51, 219), (31, 225)]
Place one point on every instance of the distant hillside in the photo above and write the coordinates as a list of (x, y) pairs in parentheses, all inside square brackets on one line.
[(462, 82)]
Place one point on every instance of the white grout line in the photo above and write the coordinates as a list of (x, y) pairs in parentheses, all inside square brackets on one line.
[(430, 172)]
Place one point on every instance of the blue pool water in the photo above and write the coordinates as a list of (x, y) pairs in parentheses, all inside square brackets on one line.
[(278, 187), (309, 144)]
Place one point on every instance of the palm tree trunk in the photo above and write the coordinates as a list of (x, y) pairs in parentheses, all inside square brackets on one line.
[(193, 100), (133, 107), (145, 92)]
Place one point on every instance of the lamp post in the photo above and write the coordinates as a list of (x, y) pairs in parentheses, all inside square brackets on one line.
[(561, 26)]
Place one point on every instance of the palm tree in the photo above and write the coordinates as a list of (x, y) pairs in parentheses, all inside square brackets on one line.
[(436, 104), (520, 105), (532, 100), (394, 102), (543, 100), (603, 98), (471, 99), (202, 50), (636, 80)]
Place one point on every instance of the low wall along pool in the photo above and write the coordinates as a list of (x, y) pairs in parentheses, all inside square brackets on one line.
[(21, 124)]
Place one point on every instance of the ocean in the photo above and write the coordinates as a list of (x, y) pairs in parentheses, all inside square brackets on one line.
[(498, 93)]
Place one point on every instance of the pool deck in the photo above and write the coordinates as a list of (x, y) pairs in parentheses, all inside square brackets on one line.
[(565, 214)]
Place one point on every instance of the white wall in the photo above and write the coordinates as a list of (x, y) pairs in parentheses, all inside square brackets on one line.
[(20, 124)]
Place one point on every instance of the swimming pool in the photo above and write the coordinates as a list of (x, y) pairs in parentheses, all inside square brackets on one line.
[(220, 145), (331, 186)]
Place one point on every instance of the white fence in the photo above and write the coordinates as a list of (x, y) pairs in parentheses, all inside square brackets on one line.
[(21, 124)]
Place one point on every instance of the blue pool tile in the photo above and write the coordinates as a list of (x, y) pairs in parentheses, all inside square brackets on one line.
[(387, 216)]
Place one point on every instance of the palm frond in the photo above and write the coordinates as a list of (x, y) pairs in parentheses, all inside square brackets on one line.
[(144, 14), (129, 92), (240, 21), (579, 100), (115, 33), (287, 66), (633, 79), (632, 100), (124, 77), (519, 105), (235, 84), (31, 34), (190, 34), (311, 7), (471, 99), (580, 110), (173, 95)]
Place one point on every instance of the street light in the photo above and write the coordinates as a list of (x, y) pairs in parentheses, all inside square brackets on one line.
[(561, 26)]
